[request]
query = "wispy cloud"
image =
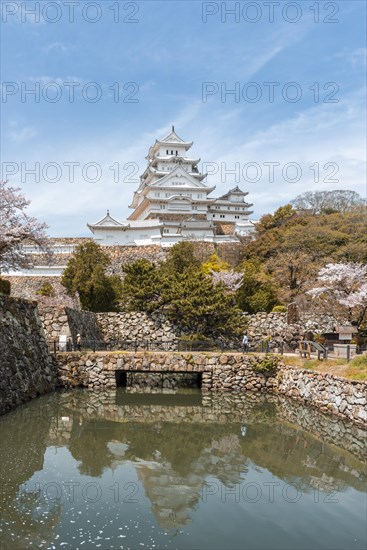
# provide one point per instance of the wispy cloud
(58, 47)
(22, 135)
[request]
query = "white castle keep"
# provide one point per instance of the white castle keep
(172, 204)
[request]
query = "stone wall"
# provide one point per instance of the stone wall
(27, 370)
(220, 372)
(274, 328)
(229, 252)
(27, 287)
(59, 320)
(138, 326)
(326, 392)
(143, 328)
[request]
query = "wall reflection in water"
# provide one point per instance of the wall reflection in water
(181, 447)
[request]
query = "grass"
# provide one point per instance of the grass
(356, 369)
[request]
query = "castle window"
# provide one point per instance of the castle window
(166, 151)
(237, 217)
(157, 194)
(199, 196)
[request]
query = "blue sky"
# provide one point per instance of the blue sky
(164, 53)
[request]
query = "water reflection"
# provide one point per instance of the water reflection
(164, 461)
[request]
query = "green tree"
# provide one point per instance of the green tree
(180, 288)
(257, 291)
(201, 308)
(180, 258)
(86, 274)
(336, 236)
(142, 286)
(271, 221)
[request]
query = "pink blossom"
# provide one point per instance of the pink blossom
(17, 229)
(230, 279)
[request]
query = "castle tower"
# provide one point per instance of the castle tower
(171, 187)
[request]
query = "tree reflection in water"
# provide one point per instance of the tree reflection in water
(175, 450)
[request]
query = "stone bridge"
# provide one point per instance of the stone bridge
(212, 372)
(209, 371)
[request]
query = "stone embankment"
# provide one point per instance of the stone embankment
(143, 328)
(60, 320)
(26, 368)
(276, 328)
(139, 327)
(217, 372)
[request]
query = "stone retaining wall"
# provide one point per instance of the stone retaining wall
(26, 368)
(326, 392)
(27, 287)
(138, 326)
(59, 320)
(220, 372)
(274, 328)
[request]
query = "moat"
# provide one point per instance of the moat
(117, 469)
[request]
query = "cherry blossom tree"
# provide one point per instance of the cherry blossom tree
(344, 285)
(229, 279)
(17, 229)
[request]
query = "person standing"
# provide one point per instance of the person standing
(78, 342)
(245, 342)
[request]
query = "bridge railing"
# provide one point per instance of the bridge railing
(55, 346)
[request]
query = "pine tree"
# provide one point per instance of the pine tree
(86, 274)
(201, 308)
(142, 286)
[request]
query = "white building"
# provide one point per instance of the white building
(173, 204)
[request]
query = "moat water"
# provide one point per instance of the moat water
(81, 470)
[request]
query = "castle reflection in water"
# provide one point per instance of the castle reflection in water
(176, 444)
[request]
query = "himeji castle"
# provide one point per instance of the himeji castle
(173, 204)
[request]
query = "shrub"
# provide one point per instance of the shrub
(279, 309)
(46, 290)
(265, 365)
(5, 287)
